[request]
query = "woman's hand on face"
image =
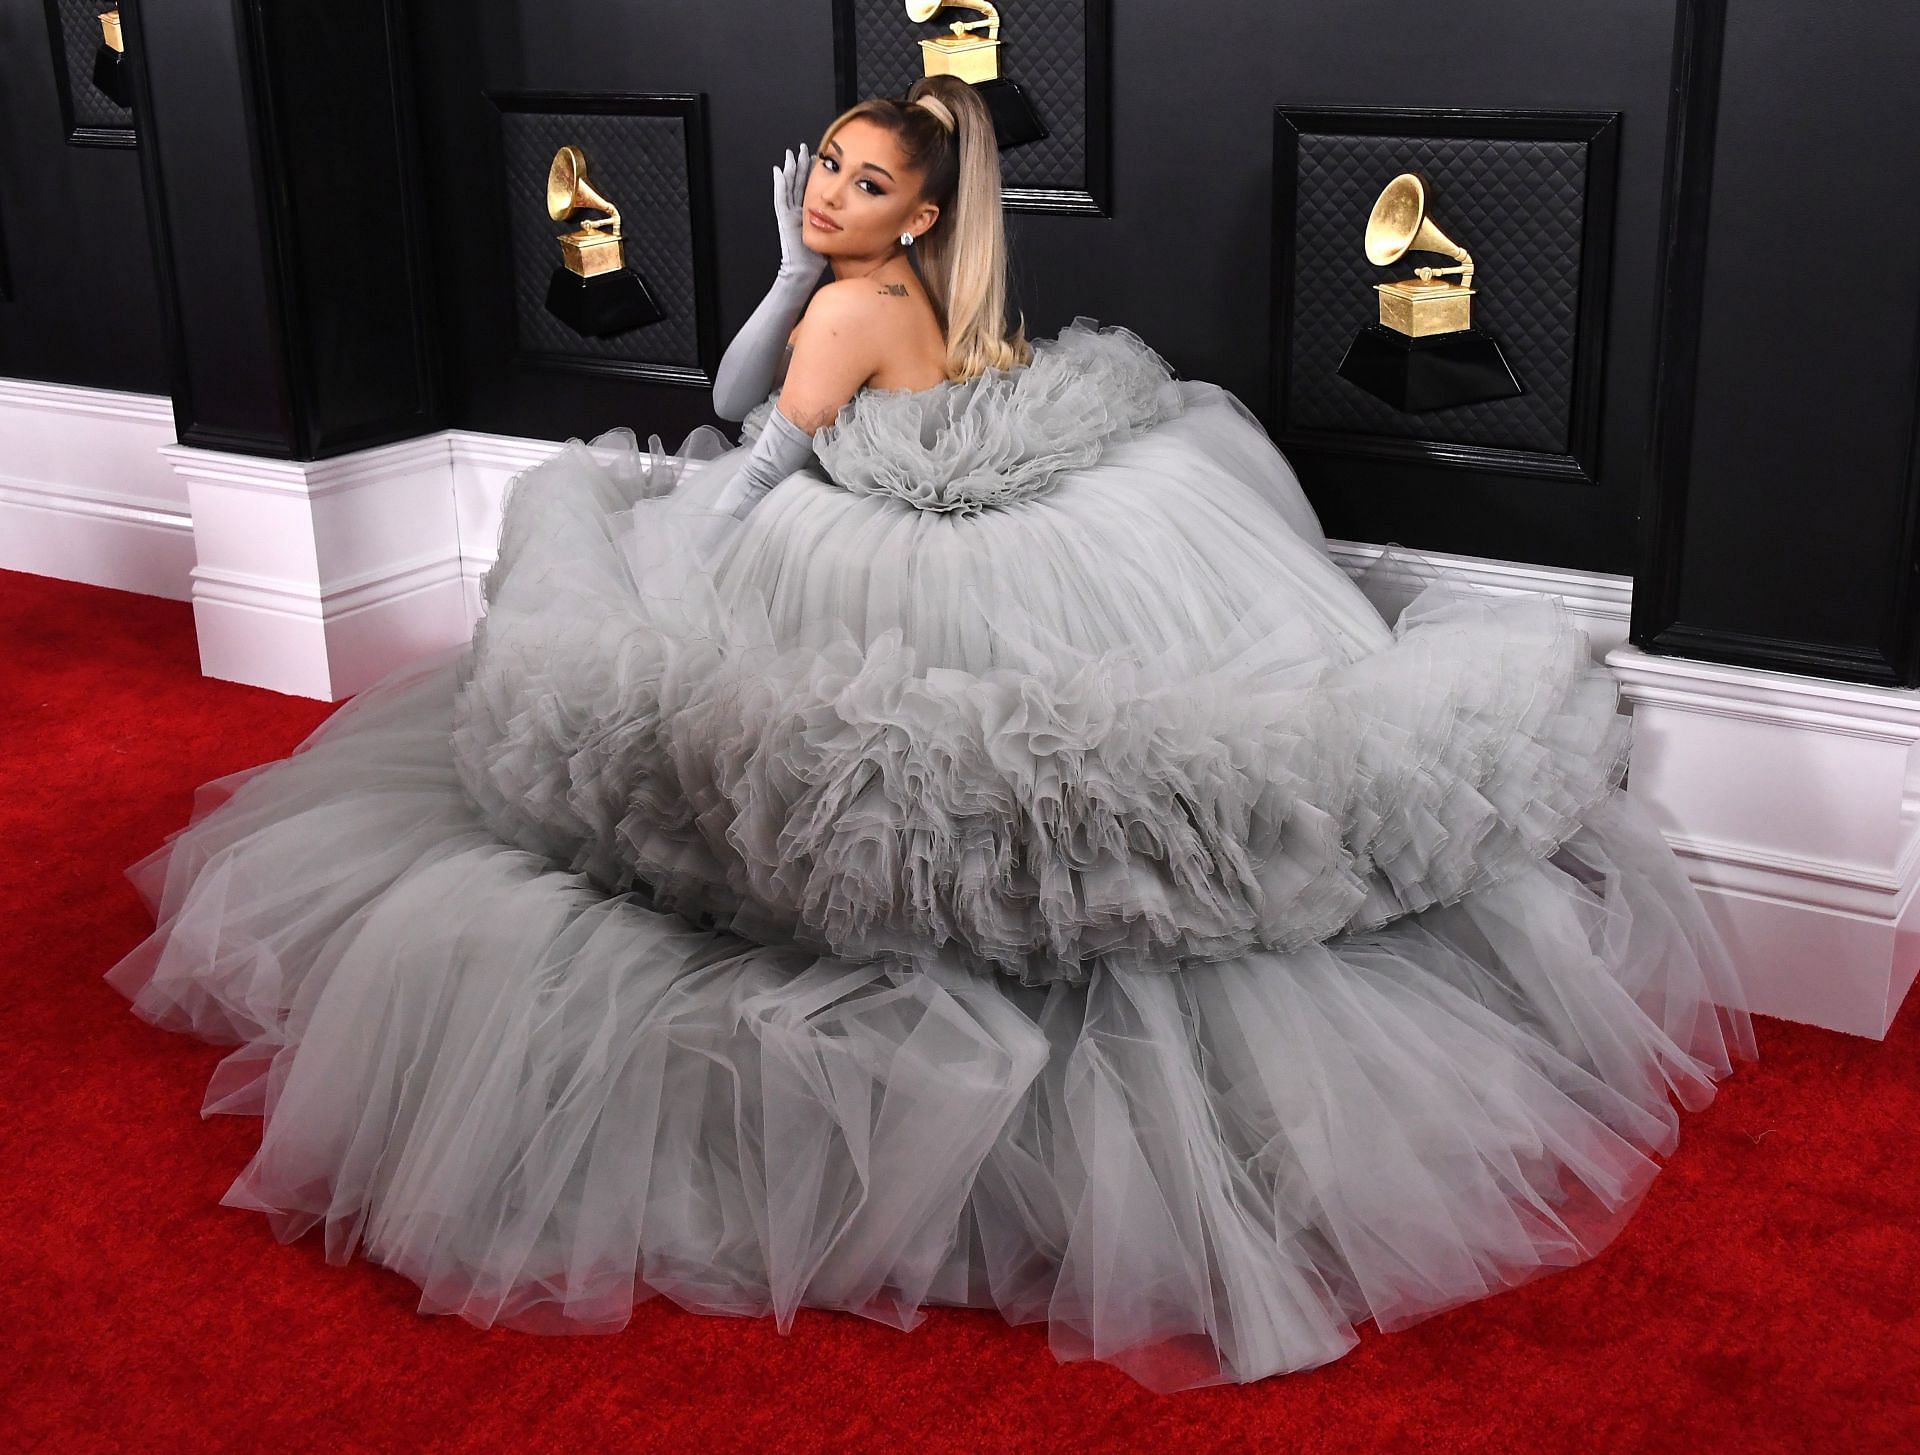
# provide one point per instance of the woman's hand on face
(789, 208)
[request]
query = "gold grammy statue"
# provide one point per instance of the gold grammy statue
(595, 247)
(1424, 353)
(109, 74)
(975, 59)
(1422, 304)
(593, 291)
(970, 57)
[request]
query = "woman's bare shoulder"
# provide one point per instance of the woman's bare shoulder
(858, 315)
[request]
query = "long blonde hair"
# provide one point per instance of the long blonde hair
(963, 256)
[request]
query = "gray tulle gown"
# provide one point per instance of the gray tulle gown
(1013, 866)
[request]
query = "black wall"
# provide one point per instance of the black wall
(79, 296)
(1186, 258)
(1756, 454)
(1782, 522)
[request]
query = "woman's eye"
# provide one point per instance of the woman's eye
(873, 187)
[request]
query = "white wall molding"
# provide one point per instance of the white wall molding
(84, 493)
(316, 578)
(482, 466)
(1794, 802)
(42, 398)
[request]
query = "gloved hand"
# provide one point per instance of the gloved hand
(748, 367)
(782, 448)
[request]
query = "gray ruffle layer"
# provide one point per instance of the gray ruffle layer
(1002, 436)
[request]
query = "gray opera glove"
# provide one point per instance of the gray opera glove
(749, 366)
(782, 448)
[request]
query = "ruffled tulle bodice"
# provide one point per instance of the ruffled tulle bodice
(1002, 436)
(1012, 866)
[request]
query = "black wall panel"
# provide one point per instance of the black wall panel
(1783, 512)
(204, 167)
(1749, 442)
(1186, 256)
(348, 234)
(767, 74)
(647, 156)
(78, 290)
(91, 115)
(1529, 195)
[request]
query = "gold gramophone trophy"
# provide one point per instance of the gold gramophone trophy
(593, 291)
(975, 59)
(109, 61)
(1424, 353)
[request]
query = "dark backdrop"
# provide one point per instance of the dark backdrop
(79, 298)
(1755, 458)
(1185, 259)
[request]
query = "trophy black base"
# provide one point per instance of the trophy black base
(1436, 372)
(1015, 123)
(110, 75)
(604, 305)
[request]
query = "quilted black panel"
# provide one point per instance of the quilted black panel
(638, 163)
(1043, 47)
(1517, 205)
(74, 48)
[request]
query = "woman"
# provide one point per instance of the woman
(966, 843)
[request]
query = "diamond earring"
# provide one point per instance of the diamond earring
(906, 239)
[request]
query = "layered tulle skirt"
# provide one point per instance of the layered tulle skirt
(1089, 909)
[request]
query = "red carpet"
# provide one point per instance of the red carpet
(1766, 1297)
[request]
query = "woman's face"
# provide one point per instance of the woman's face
(861, 194)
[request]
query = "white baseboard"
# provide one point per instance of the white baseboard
(1795, 804)
(84, 492)
(1793, 801)
(316, 578)
(482, 466)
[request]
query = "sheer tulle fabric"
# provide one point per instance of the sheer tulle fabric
(1086, 907)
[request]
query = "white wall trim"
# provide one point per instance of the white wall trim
(42, 398)
(316, 478)
(482, 466)
(90, 504)
(84, 493)
(1794, 803)
(318, 577)
(341, 597)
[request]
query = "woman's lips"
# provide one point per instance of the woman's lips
(821, 221)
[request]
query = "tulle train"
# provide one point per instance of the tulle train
(543, 1104)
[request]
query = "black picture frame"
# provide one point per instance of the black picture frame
(1089, 196)
(1598, 131)
(691, 109)
(77, 133)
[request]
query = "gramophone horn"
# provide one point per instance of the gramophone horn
(1399, 224)
(568, 190)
